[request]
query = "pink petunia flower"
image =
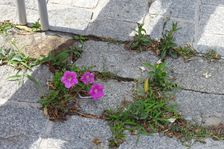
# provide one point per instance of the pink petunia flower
(69, 79)
(96, 91)
(87, 78)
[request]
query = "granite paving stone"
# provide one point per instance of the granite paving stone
(24, 89)
(154, 25)
(108, 57)
(151, 142)
(20, 126)
(127, 10)
(210, 144)
(211, 41)
(7, 88)
(201, 108)
(201, 100)
(198, 74)
(174, 8)
(78, 18)
(213, 2)
(29, 91)
(78, 133)
(208, 15)
(156, 141)
(9, 12)
(116, 92)
(90, 4)
(112, 28)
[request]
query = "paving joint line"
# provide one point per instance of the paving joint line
(202, 92)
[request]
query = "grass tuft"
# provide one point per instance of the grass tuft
(212, 55)
(153, 112)
(167, 42)
(5, 27)
(141, 40)
(186, 52)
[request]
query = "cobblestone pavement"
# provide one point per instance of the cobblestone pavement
(201, 100)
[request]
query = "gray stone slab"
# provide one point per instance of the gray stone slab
(60, 2)
(211, 19)
(77, 133)
(68, 17)
(151, 142)
(8, 2)
(205, 109)
(199, 75)
(85, 4)
(128, 10)
(112, 28)
(10, 13)
(174, 8)
(210, 144)
(30, 91)
(31, 4)
(154, 27)
(20, 126)
(156, 141)
(115, 93)
(108, 57)
(210, 41)
(7, 88)
(213, 2)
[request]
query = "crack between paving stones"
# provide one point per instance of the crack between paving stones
(115, 77)
(203, 92)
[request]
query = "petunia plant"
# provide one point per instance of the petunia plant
(86, 85)
(66, 87)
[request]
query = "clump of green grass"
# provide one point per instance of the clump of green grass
(36, 27)
(159, 78)
(141, 40)
(153, 112)
(141, 116)
(17, 59)
(5, 27)
(186, 52)
(60, 60)
(167, 43)
(80, 38)
(212, 55)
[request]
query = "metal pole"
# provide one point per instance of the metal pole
(42, 4)
(21, 11)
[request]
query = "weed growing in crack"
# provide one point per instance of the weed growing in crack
(212, 55)
(167, 43)
(154, 112)
(141, 40)
(60, 60)
(159, 78)
(17, 59)
(186, 52)
(35, 27)
(5, 27)
(145, 115)
(80, 38)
